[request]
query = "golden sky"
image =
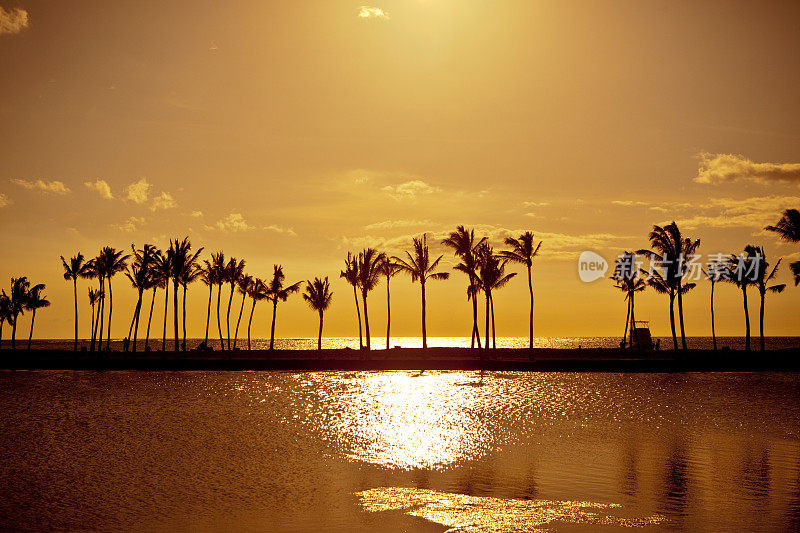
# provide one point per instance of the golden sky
(291, 132)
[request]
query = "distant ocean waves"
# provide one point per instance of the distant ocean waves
(736, 343)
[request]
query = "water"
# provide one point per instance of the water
(735, 343)
(399, 451)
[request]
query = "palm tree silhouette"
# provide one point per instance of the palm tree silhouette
(369, 274)
(420, 267)
(717, 271)
(491, 276)
(743, 268)
(258, 292)
(244, 286)
(183, 266)
(626, 278)
(233, 272)
(671, 251)
(788, 228)
(275, 292)
(140, 274)
(208, 277)
(5, 313)
(350, 274)
(35, 300)
(157, 281)
(388, 269)
(319, 298)
(97, 271)
(764, 277)
(523, 251)
(93, 273)
(164, 268)
(94, 298)
(464, 246)
(219, 268)
(18, 300)
(112, 262)
(76, 268)
(189, 276)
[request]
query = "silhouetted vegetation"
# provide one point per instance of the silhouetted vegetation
(319, 297)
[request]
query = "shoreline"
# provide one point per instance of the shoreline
(502, 359)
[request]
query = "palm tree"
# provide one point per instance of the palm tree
(743, 270)
(5, 313)
(233, 273)
(523, 251)
(219, 274)
(369, 274)
(464, 246)
(97, 271)
(626, 278)
(187, 278)
(140, 274)
(319, 298)
(183, 266)
(158, 280)
(244, 286)
(718, 270)
(763, 280)
(164, 269)
(94, 298)
(76, 268)
(18, 301)
(208, 277)
(492, 276)
(388, 269)
(420, 267)
(35, 300)
(112, 262)
(658, 283)
(275, 292)
(672, 252)
(258, 292)
(350, 274)
(93, 273)
(788, 228)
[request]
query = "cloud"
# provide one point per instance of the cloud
(288, 231)
(213, 47)
(234, 222)
(55, 187)
(13, 21)
(629, 203)
(390, 224)
(102, 188)
(130, 225)
(754, 212)
(535, 204)
(367, 12)
(163, 201)
(196, 214)
(138, 191)
(4, 200)
(409, 190)
(723, 168)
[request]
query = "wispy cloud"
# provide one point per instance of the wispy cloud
(234, 222)
(723, 168)
(755, 212)
(101, 187)
(196, 214)
(13, 20)
(368, 12)
(130, 225)
(409, 190)
(54, 187)
(535, 204)
(138, 191)
(390, 224)
(163, 201)
(277, 229)
(4, 200)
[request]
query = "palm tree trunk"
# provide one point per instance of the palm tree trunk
(75, 292)
(488, 317)
(14, 333)
(91, 326)
(228, 318)
(494, 333)
(208, 312)
(249, 322)
(175, 314)
(30, 335)
(138, 314)
(680, 316)
(366, 319)
(633, 318)
(530, 290)
(219, 326)
(476, 334)
(746, 319)
(110, 310)
(388, 313)
(424, 331)
(184, 317)
(358, 314)
(713, 330)
(149, 319)
(241, 309)
(101, 312)
(166, 309)
(761, 322)
(272, 330)
(672, 319)
(2, 323)
(133, 321)
(627, 322)
(319, 333)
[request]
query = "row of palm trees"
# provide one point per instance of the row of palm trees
(151, 269)
(670, 248)
(22, 297)
(485, 271)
